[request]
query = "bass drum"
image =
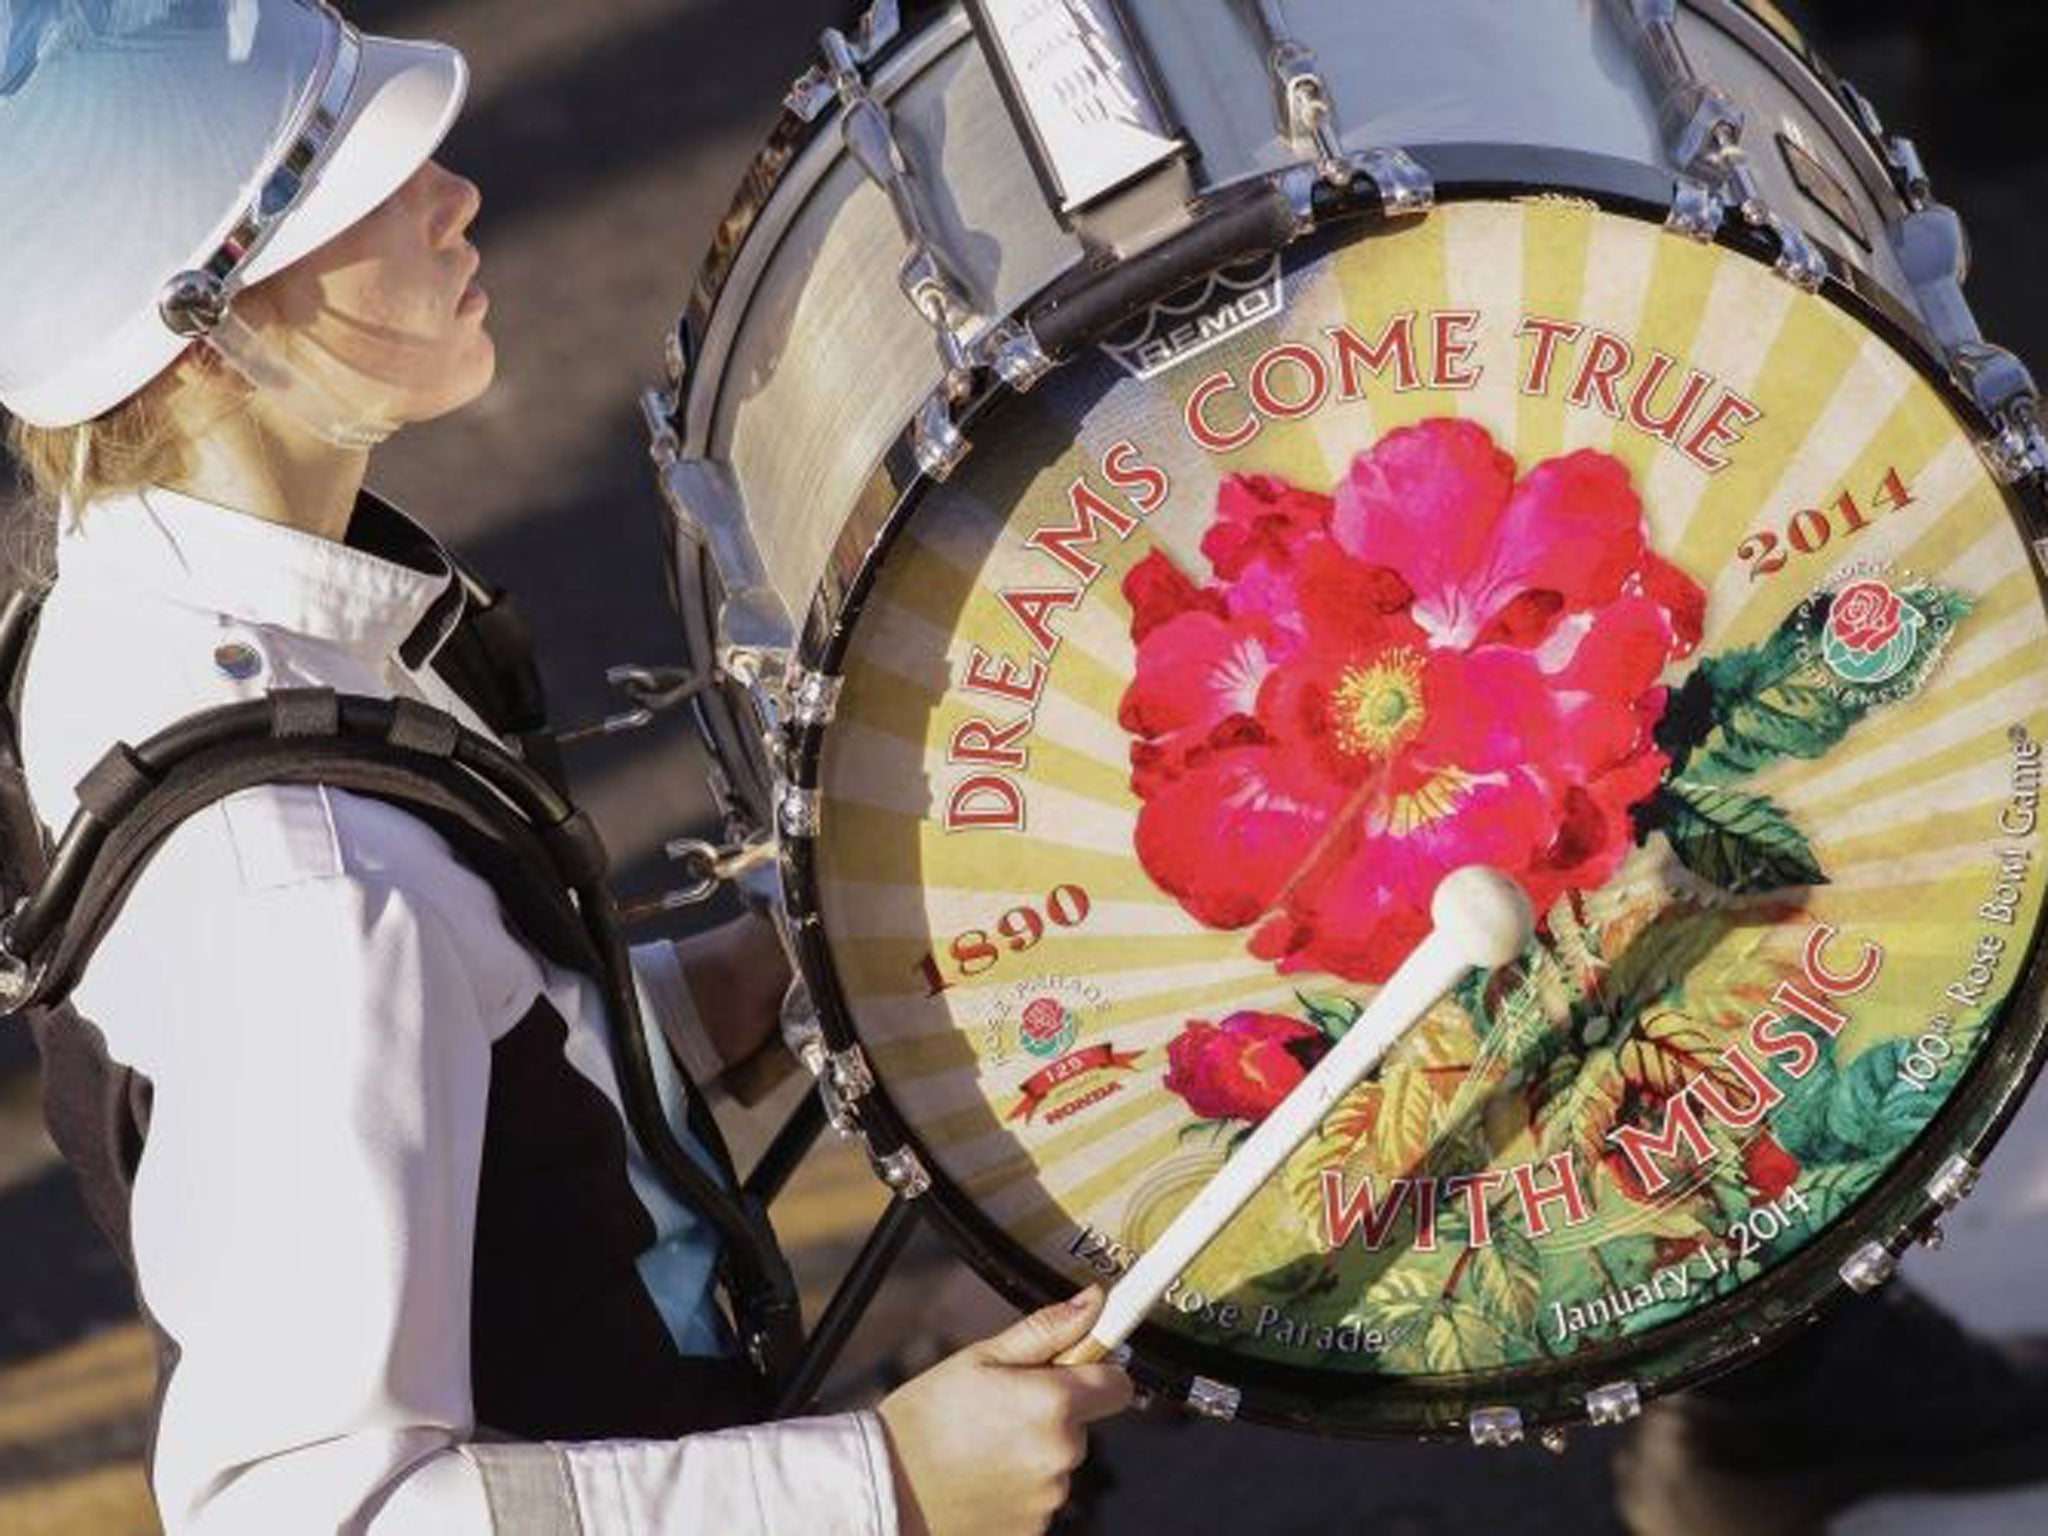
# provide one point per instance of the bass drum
(1524, 532)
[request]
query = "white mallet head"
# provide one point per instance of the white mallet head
(1484, 913)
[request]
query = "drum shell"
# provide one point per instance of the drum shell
(810, 361)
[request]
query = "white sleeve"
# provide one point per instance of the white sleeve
(303, 1220)
(665, 999)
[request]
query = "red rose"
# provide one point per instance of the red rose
(1440, 664)
(1864, 617)
(1043, 1020)
(1770, 1169)
(1242, 1068)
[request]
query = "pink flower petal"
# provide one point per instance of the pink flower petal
(1424, 502)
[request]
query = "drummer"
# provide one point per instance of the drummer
(407, 1271)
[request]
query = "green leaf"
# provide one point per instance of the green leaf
(1660, 959)
(1331, 1012)
(1874, 1108)
(1747, 708)
(1833, 1191)
(1507, 1278)
(1582, 1108)
(1740, 841)
(1518, 1035)
(1800, 1123)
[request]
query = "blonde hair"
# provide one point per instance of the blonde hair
(139, 442)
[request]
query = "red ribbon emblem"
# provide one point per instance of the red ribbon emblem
(1096, 1058)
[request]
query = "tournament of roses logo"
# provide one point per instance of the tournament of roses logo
(1871, 633)
(1047, 1026)
(1047, 1015)
(1875, 632)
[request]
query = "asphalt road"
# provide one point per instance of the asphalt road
(606, 138)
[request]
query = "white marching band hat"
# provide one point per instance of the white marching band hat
(156, 156)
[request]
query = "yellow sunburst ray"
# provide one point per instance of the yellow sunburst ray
(1556, 252)
(1483, 247)
(1816, 373)
(860, 842)
(1628, 276)
(1742, 325)
(1937, 775)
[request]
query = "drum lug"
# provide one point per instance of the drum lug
(1703, 130)
(1799, 262)
(706, 501)
(679, 357)
(658, 410)
(928, 281)
(1014, 353)
(818, 87)
(1908, 171)
(814, 697)
(851, 1077)
(844, 1077)
(1555, 1440)
(1310, 122)
(1950, 1186)
(1863, 110)
(936, 441)
(903, 1171)
(803, 1032)
(2004, 390)
(2020, 450)
(1615, 1403)
(763, 672)
(1933, 248)
(755, 666)
(1952, 1183)
(796, 811)
(1697, 211)
(1214, 1399)
(1868, 1268)
(1901, 156)
(1304, 98)
(1496, 1427)
(1404, 186)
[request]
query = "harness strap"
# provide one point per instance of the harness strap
(488, 660)
(24, 853)
(511, 855)
(422, 761)
(501, 815)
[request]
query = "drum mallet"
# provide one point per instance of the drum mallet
(1482, 919)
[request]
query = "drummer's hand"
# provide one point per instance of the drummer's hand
(984, 1441)
(737, 973)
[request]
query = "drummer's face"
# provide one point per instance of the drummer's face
(387, 312)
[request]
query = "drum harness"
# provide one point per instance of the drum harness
(505, 815)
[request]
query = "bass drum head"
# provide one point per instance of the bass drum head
(1529, 535)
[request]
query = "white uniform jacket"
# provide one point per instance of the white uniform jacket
(313, 986)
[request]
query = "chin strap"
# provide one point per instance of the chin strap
(292, 391)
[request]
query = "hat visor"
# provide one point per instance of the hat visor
(405, 99)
